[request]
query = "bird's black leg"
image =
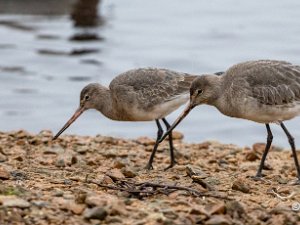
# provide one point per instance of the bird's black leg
(292, 143)
(172, 156)
(159, 135)
(267, 148)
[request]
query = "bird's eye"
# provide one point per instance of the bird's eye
(86, 97)
(199, 91)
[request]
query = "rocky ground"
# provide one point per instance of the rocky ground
(102, 180)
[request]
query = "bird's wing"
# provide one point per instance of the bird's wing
(269, 82)
(152, 86)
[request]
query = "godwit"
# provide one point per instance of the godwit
(264, 91)
(144, 94)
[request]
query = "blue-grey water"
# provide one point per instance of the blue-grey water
(41, 91)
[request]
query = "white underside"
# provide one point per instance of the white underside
(270, 114)
(159, 111)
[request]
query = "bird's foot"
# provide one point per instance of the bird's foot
(172, 164)
(149, 166)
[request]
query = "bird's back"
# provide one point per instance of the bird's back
(151, 91)
(263, 87)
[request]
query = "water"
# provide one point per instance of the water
(41, 91)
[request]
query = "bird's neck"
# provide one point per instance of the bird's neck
(216, 90)
(105, 105)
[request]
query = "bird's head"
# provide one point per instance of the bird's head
(88, 100)
(204, 90)
(89, 96)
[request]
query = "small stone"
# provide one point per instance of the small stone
(218, 220)
(115, 174)
(212, 181)
(98, 213)
(204, 145)
(129, 172)
(74, 159)
(21, 142)
(39, 204)
(119, 164)
(46, 133)
(251, 156)
(176, 135)
(60, 162)
(145, 141)
(12, 201)
(77, 208)
(53, 150)
(281, 180)
(95, 200)
(259, 147)
(3, 158)
(81, 149)
(235, 208)
(19, 158)
(195, 171)
(21, 134)
(111, 153)
(105, 140)
(170, 214)
(58, 193)
(217, 208)
(107, 180)
(19, 175)
(4, 174)
(240, 185)
(80, 197)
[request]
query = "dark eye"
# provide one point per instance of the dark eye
(86, 97)
(199, 91)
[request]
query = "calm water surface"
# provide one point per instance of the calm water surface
(40, 81)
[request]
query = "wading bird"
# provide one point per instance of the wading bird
(144, 94)
(264, 91)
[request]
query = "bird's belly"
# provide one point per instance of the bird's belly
(271, 113)
(158, 111)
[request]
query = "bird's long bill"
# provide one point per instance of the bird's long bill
(177, 121)
(78, 112)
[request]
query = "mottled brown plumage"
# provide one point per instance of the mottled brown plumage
(263, 91)
(143, 94)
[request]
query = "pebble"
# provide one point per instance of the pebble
(235, 208)
(40, 204)
(77, 208)
(216, 208)
(96, 200)
(145, 141)
(4, 174)
(119, 164)
(218, 220)
(60, 162)
(3, 158)
(129, 172)
(212, 181)
(115, 174)
(19, 175)
(259, 147)
(98, 213)
(13, 201)
(176, 135)
(240, 185)
(251, 155)
(53, 150)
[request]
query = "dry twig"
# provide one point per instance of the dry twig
(148, 188)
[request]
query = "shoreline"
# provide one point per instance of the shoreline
(51, 182)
